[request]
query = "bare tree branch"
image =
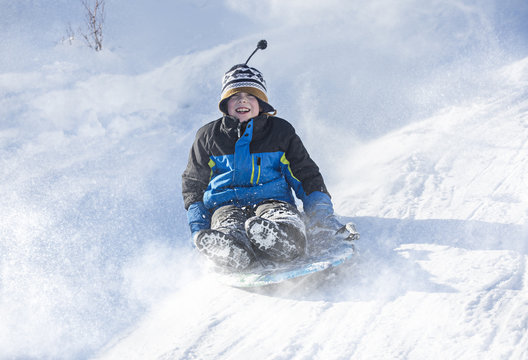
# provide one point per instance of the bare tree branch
(94, 20)
(70, 35)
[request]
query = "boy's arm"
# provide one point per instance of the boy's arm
(316, 200)
(304, 169)
(195, 180)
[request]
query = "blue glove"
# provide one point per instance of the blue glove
(199, 217)
(320, 211)
(318, 206)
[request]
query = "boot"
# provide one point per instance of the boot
(223, 249)
(267, 236)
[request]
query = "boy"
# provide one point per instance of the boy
(238, 181)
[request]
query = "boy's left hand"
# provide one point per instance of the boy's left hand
(348, 232)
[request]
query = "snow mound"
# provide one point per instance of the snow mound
(441, 205)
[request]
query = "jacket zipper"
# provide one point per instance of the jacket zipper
(258, 164)
(253, 170)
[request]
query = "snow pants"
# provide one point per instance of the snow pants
(231, 220)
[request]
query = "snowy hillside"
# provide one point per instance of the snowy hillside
(442, 273)
(416, 112)
(467, 162)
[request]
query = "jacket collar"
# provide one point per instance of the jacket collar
(233, 127)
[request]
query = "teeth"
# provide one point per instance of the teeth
(242, 110)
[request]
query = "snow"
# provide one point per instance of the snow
(416, 113)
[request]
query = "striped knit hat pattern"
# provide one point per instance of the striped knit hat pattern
(242, 78)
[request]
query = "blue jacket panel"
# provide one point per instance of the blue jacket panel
(245, 164)
(264, 177)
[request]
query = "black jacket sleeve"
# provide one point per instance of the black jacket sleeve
(196, 176)
(303, 167)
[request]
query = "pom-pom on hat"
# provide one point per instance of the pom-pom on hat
(242, 78)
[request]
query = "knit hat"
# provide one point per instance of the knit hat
(242, 78)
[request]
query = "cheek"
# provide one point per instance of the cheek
(255, 106)
(230, 108)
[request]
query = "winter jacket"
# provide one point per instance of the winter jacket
(245, 164)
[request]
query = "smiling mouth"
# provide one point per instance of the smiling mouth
(242, 110)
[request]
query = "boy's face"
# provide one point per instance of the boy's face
(243, 106)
